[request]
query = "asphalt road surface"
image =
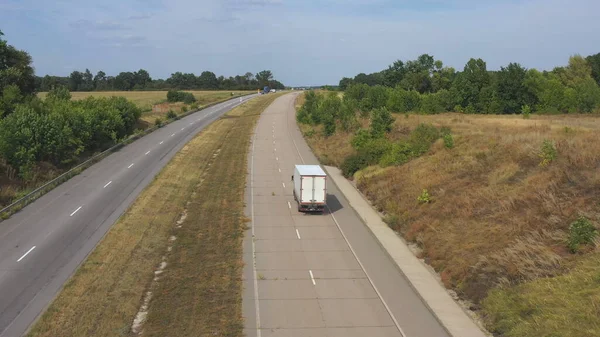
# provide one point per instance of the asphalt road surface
(316, 275)
(44, 243)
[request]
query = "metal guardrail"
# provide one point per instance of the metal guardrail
(19, 204)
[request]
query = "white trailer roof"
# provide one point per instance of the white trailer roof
(310, 170)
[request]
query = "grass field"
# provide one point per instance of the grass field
(181, 242)
(498, 223)
(146, 99)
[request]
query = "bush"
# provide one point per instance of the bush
(581, 232)
(526, 111)
(180, 96)
(158, 122)
(360, 139)
(194, 106)
(398, 154)
(423, 137)
(448, 141)
(430, 103)
(424, 198)
(381, 122)
(353, 164)
(189, 98)
(547, 153)
(184, 108)
(171, 114)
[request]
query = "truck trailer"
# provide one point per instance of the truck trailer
(310, 188)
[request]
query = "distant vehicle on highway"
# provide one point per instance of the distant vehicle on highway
(310, 188)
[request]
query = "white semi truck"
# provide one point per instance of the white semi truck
(310, 188)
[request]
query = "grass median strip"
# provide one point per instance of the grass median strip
(199, 290)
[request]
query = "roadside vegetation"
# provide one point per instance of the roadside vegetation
(177, 251)
(43, 135)
(503, 206)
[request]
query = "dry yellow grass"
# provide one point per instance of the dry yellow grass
(497, 218)
(200, 290)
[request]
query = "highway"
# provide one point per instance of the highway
(315, 275)
(43, 244)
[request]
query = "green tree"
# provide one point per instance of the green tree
(588, 95)
(208, 80)
(264, 77)
(594, 62)
(142, 79)
(394, 74)
(345, 82)
(75, 80)
(59, 93)
(100, 81)
(577, 71)
(381, 122)
(470, 82)
(512, 92)
(16, 69)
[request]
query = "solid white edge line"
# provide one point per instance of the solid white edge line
(75, 211)
(298, 234)
(110, 182)
(290, 207)
(130, 165)
(312, 277)
(22, 257)
(256, 306)
(146, 153)
(354, 253)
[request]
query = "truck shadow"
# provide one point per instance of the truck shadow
(333, 204)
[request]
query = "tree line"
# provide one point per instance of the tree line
(426, 85)
(141, 80)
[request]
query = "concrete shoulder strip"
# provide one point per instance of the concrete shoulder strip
(442, 305)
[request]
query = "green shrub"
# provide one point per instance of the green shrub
(180, 96)
(368, 154)
(194, 106)
(423, 137)
(309, 133)
(171, 114)
(381, 122)
(547, 153)
(329, 122)
(424, 198)
(581, 232)
(448, 141)
(526, 111)
(353, 164)
(398, 154)
(184, 108)
(360, 139)
(158, 122)
(458, 108)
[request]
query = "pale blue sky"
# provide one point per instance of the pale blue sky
(304, 42)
